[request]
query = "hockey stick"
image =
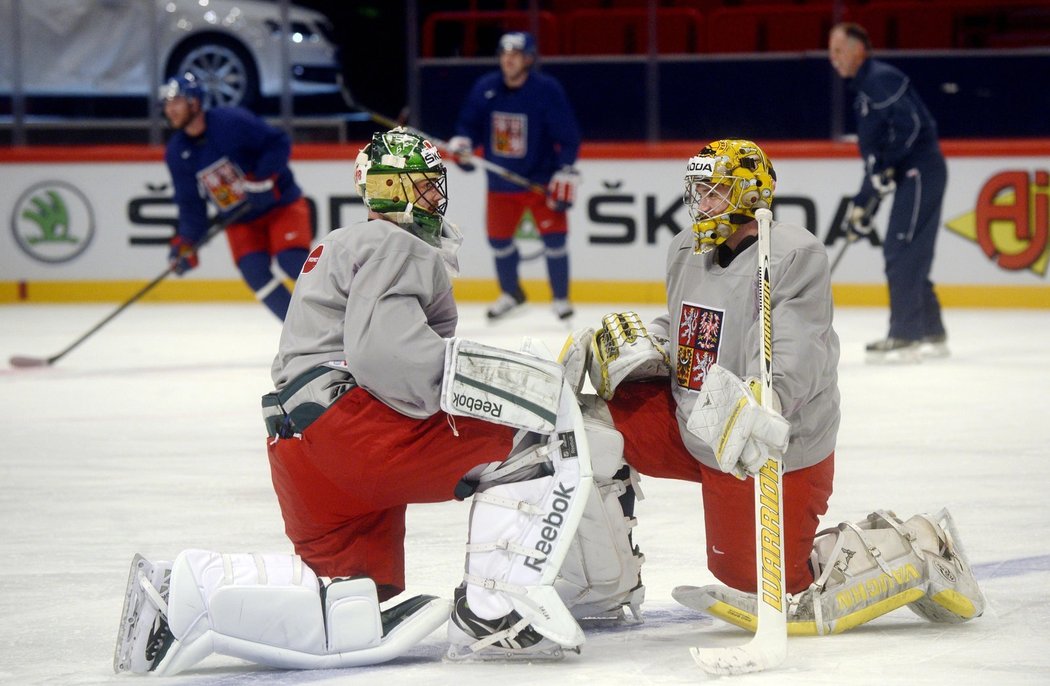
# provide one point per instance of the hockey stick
(841, 252)
(768, 647)
(215, 229)
(847, 230)
(389, 123)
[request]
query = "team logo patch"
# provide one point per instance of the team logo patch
(224, 182)
(312, 260)
(510, 134)
(699, 338)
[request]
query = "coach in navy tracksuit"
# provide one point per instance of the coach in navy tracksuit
(898, 141)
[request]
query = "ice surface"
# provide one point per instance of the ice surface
(148, 438)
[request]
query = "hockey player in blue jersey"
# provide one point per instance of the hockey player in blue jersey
(898, 141)
(230, 157)
(523, 120)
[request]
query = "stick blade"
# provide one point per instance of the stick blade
(745, 659)
(24, 361)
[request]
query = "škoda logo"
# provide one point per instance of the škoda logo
(52, 222)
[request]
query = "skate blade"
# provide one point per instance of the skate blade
(538, 653)
(129, 616)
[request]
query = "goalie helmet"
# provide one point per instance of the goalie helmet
(724, 184)
(185, 86)
(401, 176)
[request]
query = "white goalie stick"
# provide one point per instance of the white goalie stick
(768, 647)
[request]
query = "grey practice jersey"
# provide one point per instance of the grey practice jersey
(377, 298)
(713, 317)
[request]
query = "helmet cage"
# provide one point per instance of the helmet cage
(423, 195)
(724, 184)
(401, 176)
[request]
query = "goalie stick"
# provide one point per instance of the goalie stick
(215, 229)
(768, 647)
(390, 123)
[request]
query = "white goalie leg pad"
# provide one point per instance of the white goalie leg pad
(601, 575)
(271, 609)
(516, 389)
(867, 569)
(520, 533)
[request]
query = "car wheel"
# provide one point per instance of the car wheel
(226, 72)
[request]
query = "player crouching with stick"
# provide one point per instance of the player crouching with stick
(684, 393)
(378, 405)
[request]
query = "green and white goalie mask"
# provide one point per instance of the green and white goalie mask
(401, 176)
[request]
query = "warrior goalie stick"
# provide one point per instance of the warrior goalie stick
(215, 229)
(390, 123)
(768, 647)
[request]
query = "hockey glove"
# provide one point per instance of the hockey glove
(624, 350)
(883, 182)
(261, 195)
(728, 417)
(858, 221)
(462, 150)
(561, 191)
(182, 256)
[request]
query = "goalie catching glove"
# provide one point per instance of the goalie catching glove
(621, 350)
(729, 417)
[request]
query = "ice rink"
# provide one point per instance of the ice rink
(148, 438)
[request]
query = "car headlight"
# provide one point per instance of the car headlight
(301, 32)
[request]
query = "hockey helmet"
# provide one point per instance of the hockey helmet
(401, 176)
(724, 184)
(185, 86)
(521, 41)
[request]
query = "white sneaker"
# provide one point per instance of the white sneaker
(505, 304)
(143, 637)
(562, 309)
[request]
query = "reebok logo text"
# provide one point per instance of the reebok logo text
(477, 405)
(553, 521)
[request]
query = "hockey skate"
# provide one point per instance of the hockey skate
(509, 638)
(934, 347)
(563, 309)
(504, 305)
(893, 351)
(143, 637)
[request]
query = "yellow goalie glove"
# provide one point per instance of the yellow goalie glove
(621, 350)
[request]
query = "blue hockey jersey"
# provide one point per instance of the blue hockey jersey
(236, 145)
(531, 131)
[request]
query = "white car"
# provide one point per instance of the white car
(102, 48)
